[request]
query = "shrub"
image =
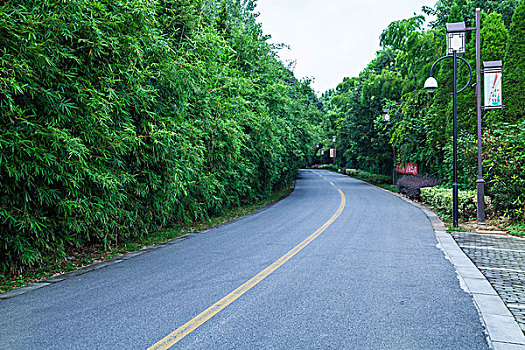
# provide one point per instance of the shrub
(327, 166)
(504, 154)
(441, 200)
(379, 179)
(514, 79)
(345, 169)
(411, 185)
(363, 175)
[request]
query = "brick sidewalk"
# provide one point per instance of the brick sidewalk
(502, 260)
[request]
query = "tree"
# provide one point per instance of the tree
(122, 118)
(514, 77)
(494, 37)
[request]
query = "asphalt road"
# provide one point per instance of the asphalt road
(373, 278)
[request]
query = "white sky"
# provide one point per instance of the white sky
(331, 39)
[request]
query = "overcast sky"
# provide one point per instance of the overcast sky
(331, 39)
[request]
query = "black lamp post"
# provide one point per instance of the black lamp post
(333, 151)
(455, 46)
(386, 118)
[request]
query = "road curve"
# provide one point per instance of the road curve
(372, 278)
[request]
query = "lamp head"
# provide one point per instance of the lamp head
(384, 113)
(456, 38)
(431, 84)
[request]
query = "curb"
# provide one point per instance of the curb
(503, 332)
(501, 328)
(118, 259)
(88, 268)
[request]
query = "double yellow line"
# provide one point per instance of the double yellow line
(175, 336)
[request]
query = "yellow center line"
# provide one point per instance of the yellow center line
(175, 336)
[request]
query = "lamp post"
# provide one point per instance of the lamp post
(480, 183)
(386, 118)
(455, 46)
(333, 150)
(493, 71)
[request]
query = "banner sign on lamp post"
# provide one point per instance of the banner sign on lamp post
(493, 90)
(493, 74)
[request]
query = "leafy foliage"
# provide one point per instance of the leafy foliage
(505, 162)
(121, 118)
(372, 178)
(421, 125)
(441, 200)
(514, 78)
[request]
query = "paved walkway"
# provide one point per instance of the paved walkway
(502, 260)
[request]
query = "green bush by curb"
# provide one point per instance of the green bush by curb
(441, 200)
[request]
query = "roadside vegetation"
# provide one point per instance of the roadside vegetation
(420, 127)
(124, 119)
(87, 255)
(126, 123)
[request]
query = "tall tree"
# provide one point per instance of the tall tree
(494, 37)
(514, 77)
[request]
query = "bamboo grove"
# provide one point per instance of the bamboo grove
(420, 129)
(119, 118)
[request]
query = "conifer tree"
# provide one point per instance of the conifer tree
(514, 77)
(494, 36)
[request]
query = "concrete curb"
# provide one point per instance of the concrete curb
(503, 332)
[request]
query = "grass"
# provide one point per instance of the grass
(389, 187)
(451, 228)
(513, 228)
(77, 258)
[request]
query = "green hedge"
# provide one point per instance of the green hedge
(328, 167)
(124, 117)
(504, 159)
(372, 178)
(441, 200)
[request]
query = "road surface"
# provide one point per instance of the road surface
(338, 264)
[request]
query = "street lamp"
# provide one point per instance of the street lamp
(480, 182)
(333, 150)
(386, 116)
(455, 46)
(431, 84)
(456, 38)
